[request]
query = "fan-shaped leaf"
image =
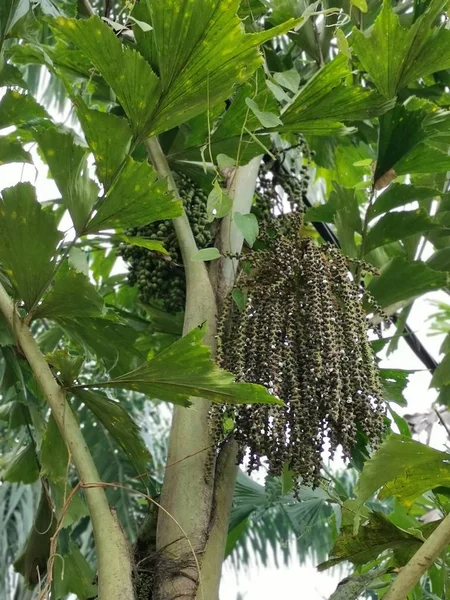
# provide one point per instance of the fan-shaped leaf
(325, 101)
(402, 281)
(398, 195)
(137, 197)
(12, 151)
(16, 109)
(186, 369)
(32, 561)
(395, 56)
(71, 295)
(405, 469)
(201, 52)
(396, 226)
(124, 69)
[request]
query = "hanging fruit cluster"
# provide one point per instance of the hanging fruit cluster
(160, 277)
(303, 334)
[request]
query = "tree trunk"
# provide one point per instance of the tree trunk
(198, 486)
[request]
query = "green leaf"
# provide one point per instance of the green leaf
(137, 197)
(240, 298)
(224, 161)
(424, 158)
(125, 70)
(11, 11)
(287, 480)
(342, 43)
(441, 376)
(95, 335)
(325, 101)
(227, 138)
(22, 466)
(348, 167)
(342, 209)
(375, 537)
(186, 369)
(400, 422)
(116, 420)
(109, 138)
(72, 574)
(247, 225)
(402, 281)
(207, 254)
(16, 109)
(403, 468)
(12, 151)
(142, 242)
(28, 241)
(288, 79)
(394, 56)
(277, 91)
(395, 226)
(54, 454)
(67, 367)
(6, 334)
(267, 119)
(67, 162)
(440, 260)
(219, 203)
(76, 509)
(361, 4)
(11, 75)
(32, 561)
(71, 295)
(141, 24)
(394, 383)
(398, 195)
(401, 130)
(202, 52)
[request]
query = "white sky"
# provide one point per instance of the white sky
(294, 581)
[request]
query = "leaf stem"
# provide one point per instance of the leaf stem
(192, 470)
(362, 250)
(425, 556)
(114, 564)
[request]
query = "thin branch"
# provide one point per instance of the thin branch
(183, 229)
(441, 420)
(114, 566)
(88, 7)
(425, 556)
